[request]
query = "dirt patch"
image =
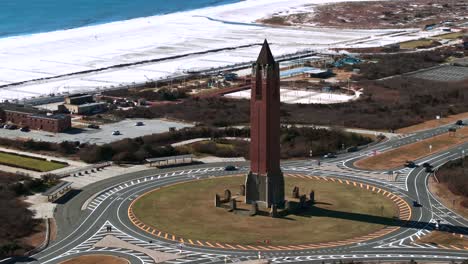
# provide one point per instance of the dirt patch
(37, 238)
(97, 259)
(448, 240)
(52, 229)
(447, 198)
(397, 157)
(433, 123)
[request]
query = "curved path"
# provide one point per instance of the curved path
(79, 230)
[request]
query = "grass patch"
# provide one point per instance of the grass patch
(416, 43)
(341, 212)
(397, 157)
(29, 162)
(453, 35)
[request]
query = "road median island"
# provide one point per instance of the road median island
(397, 157)
(446, 240)
(349, 212)
(433, 123)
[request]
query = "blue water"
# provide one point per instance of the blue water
(20, 17)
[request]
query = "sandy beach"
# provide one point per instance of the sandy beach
(51, 55)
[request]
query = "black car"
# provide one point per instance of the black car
(25, 129)
(459, 123)
(410, 164)
(93, 126)
(416, 204)
(330, 156)
(230, 168)
(427, 165)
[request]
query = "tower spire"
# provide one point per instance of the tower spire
(265, 56)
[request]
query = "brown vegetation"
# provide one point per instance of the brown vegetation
(375, 14)
(66, 148)
(454, 176)
(385, 65)
(296, 142)
(16, 222)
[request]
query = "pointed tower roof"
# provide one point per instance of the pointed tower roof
(265, 56)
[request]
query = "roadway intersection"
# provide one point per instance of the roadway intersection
(83, 220)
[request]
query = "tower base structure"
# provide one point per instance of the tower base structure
(266, 190)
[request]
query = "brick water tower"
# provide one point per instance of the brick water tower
(265, 181)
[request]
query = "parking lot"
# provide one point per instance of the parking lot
(99, 136)
(443, 74)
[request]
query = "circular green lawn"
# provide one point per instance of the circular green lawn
(341, 212)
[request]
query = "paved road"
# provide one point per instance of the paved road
(80, 229)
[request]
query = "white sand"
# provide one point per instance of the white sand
(27, 58)
(290, 96)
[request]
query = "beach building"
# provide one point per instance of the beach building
(319, 73)
(83, 104)
(25, 116)
(311, 72)
(347, 61)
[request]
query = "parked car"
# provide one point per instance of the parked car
(416, 204)
(139, 123)
(116, 133)
(25, 129)
(230, 168)
(93, 126)
(330, 155)
(459, 123)
(12, 127)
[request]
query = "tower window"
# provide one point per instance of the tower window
(258, 87)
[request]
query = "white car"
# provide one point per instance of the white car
(116, 133)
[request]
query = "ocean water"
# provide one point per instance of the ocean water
(20, 17)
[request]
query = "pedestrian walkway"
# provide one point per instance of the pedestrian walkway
(79, 182)
(138, 248)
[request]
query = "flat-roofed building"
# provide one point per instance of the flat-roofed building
(85, 109)
(34, 119)
(78, 99)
